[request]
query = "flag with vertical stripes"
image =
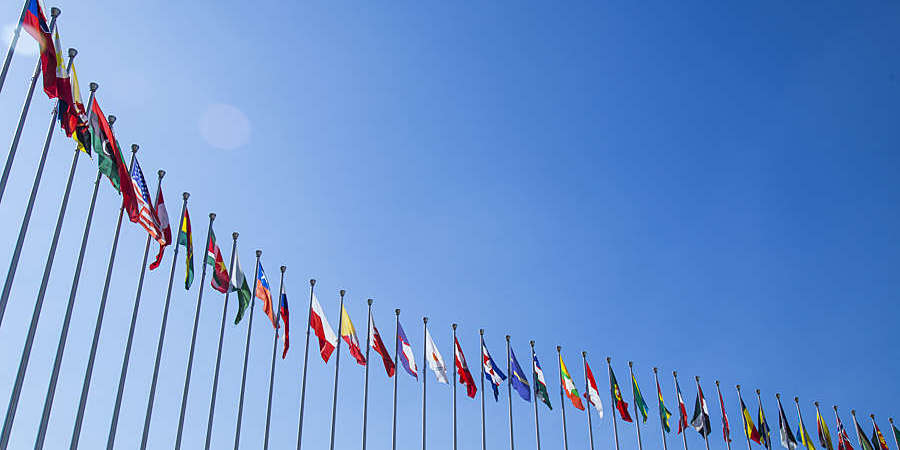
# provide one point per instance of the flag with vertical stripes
(749, 427)
(187, 240)
(348, 333)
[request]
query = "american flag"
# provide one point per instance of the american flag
(147, 218)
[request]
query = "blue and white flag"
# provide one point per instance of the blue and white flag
(491, 371)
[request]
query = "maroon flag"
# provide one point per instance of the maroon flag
(378, 345)
(164, 226)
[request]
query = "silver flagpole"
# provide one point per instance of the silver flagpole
(312, 287)
(366, 390)
(744, 421)
(662, 430)
(145, 435)
(240, 415)
(424, 377)
(54, 14)
(896, 442)
(481, 351)
(509, 393)
(719, 391)
(612, 413)
(89, 370)
(677, 399)
(453, 376)
(272, 369)
(705, 436)
(637, 413)
(12, 45)
(42, 291)
(587, 408)
(23, 229)
(562, 399)
(537, 429)
(337, 366)
(123, 372)
(190, 365)
(396, 375)
(212, 400)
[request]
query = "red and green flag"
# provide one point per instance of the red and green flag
(185, 239)
(569, 386)
(878, 438)
(220, 277)
(617, 396)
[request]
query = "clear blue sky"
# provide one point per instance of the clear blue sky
(704, 187)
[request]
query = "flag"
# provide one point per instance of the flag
(319, 323)
(726, 429)
(59, 78)
(568, 385)
(214, 258)
(824, 434)
(540, 384)
(787, 437)
(878, 438)
(491, 371)
(843, 438)
(805, 440)
(749, 427)
(435, 360)
(379, 347)
(35, 23)
(239, 285)
(864, 443)
(700, 419)
(764, 431)
(682, 410)
(285, 313)
(517, 378)
(664, 413)
(462, 369)
(348, 333)
(146, 215)
(70, 112)
(592, 395)
(264, 293)
(186, 239)
(616, 395)
(165, 228)
(896, 433)
(406, 357)
(638, 399)
(110, 161)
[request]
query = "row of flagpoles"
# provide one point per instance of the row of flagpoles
(91, 129)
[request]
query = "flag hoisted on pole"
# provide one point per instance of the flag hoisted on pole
(337, 367)
(640, 406)
(312, 288)
(726, 430)
(455, 370)
(664, 413)
(396, 355)
(750, 430)
(784, 428)
(589, 394)
(877, 437)
(366, 388)
(682, 411)
(509, 393)
(895, 431)
(562, 399)
(540, 391)
(274, 351)
(864, 443)
(805, 440)
(822, 430)
(700, 419)
(424, 378)
(238, 276)
(483, 371)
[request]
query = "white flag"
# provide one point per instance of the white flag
(435, 361)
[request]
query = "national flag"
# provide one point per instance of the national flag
(540, 384)
(568, 385)
(750, 429)
(462, 370)
(60, 76)
(348, 333)
(70, 113)
(805, 440)
(264, 293)
(864, 443)
(726, 429)
(406, 357)
(379, 347)
(824, 434)
(617, 400)
(319, 323)
(285, 314)
(186, 239)
(639, 399)
(517, 378)
(593, 394)
(493, 373)
(843, 437)
(765, 432)
(35, 23)
(682, 410)
(239, 285)
(787, 437)
(664, 413)
(896, 432)
(165, 228)
(146, 215)
(214, 258)
(109, 156)
(878, 438)
(700, 419)
(435, 360)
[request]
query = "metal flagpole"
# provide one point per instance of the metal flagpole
(396, 375)
(366, 390)
(722, 404)
(800, 418)
(872, 416)
(705, 436)
(744, 420)
(678, 399)
(187, 376)
(534, 380)
(637, 423)
(759, 401)
(23, 229)
(272, 368)
(662, 430)
(145, 435)
(54, 14)
(424, 378)
(562, 399)
(453, 375)
(337, 366)
(612, 413)
(39, 303)
(212, 401)
(240, 415)
(12, 45)
(312, 287)
(856, 427)
(896, 442)
(818, 414)
(509, 393)
(587, 409)
(89, 370)
(481, 354)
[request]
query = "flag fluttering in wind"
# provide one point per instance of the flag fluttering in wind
(517, 378)
(186, 239)
(146, 214)
(435, 360)
(540, 385)
(462, 370)
(214, 258)
(239, 285)
(35, 23)
(493, 373)
(682, 409)
(700, 419)
(110, 160)
(593, 394)
(59, 78)
(319, 323)
(264, 293)
(162, 215)
(664, 413)
(639, 399)
(749, 427)
(764, 431)
(896, 432)
(843, 437)
(565, 380)
(878, 438)
(406, 357)
(787, 437)
(379, 347)
(348, 333)
(617, 400)
(805, 440)
(285, 317)
(824, 433)
(71, 114)
(726, 429)
(864, 443)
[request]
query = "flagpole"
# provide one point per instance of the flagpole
(272, 369)
(562, 399)
(12, 46)
(453, 375)
(722, 404)
(337, 367)
(662, 430)
(212, 401)
(481, 357)
(366, 390)
(396, 375)
(637, 423)
(800, 418)
(819, 416)
(837, 420)
(703, 400)
(765, 436)
(897, 443)
(42, 291)
(874, 444)
(424, 378)
(587, 409)
(240, 415)
(190, 365)
(509, 393)
(856, 428)
(312, 287)
(98, 324)
(613, 414)
(23, 229)
(744, 420)
(537, 429)
(679, 400)
(54, 14)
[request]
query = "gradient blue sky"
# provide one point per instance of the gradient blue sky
(704, 187)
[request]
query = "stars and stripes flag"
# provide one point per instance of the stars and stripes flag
(146, 214)
(491, 371)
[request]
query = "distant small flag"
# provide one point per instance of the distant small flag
(540, 385)
(285, 315)
(616, 394)
(146, 215)
(462, 370)
(517, 378)
(639, 399)
(682, 409)
(239, 284)
(843, 437)
(664, 413)
(787, 437)
(185, 239)
(348, 333)
(805, 440)
(726, 429)
(864, 443)
(764, 431)
(379, 347)
(896, 432)
(878, 438)
(749, 427)
(592, 395)
(319, 323)
(166, 229)
(264, 293)
(406, 357)
(491, 371)
(214, 258)
(824, 434)
(435, 360)
(700, 419)
(568, 385)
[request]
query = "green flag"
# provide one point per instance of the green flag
(239, 285)
(639, 399)
(896, 431)
(864, 443)
(185, 239)
(664, 413)
(540, 385)
(103, 148)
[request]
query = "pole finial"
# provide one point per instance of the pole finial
(608, 360)
(453, 325)
(583, 354)
(93, 86)
(111, 119)
(212, 216)
(558, 348)
(797, 400)
(674, 373)
(853, 412)
(872, 416)
(312, 281)
(757, 392)
(397, 311)
(342, 292)
(507, 338)
(835, 408)
(186, 194)
(135, 148)
(738, 387)
(161, 173)
(630, 364)
(425, 320)
(55, 12)
(696, 378)
(778, 396)
(717, 383)
(532, 344)
(481, 331)
(891, 420)
(258, 252)
(816, 403)
(72, 52)
(655, 370)
(283, 268)
(369, 301)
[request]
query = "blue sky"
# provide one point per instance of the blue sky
(708, 188)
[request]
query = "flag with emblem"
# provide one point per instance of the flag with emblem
(517, 378)
(264, 293)
(214, 258)
(617, 400)
(186, 239)
(878, 438)
(639, 399)
(568, 385)
(348, 333)
(664, 413)
(462, 370)
(700, 419)
(435, 360)
(682, 409)
(285, 318)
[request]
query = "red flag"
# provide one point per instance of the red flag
(726, 431)
(317, 321)
(129, 199)
(682, 411)
(285, 317)
(462, 369)
(163, 217)
(378, 345)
